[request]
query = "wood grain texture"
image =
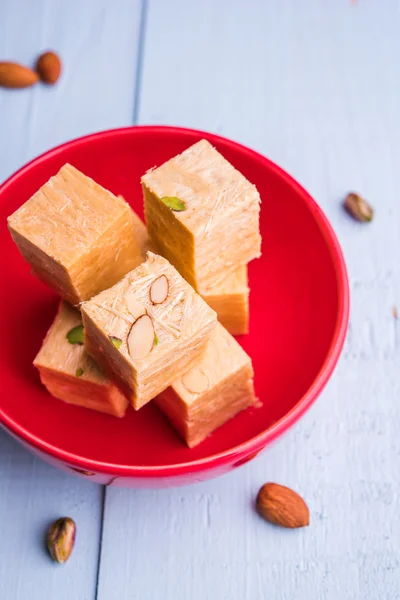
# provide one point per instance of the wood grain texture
(32, 495)
(315, 86)
(98, 43)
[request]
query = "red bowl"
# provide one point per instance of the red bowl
(299, 310)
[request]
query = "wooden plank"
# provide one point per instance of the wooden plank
(98, 45)
(32, 495)
(314, 86)
(98, 42)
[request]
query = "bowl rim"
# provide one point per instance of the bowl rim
(258, 442)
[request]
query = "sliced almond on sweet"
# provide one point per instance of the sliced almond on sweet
(141, 337)
(135, 308)
(159, 290)
(196, 381)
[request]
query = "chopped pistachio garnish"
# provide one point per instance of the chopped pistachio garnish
(155, 340)
(174, 203)
(115, 341)
(76, 335)
(79, 372)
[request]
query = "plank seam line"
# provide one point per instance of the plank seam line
(136, 106)
(102, 512)
(139, 63)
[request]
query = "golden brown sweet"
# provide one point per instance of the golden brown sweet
(142, 238)
(230, 300)
(70, 374)
(147, 329)
(217, 388)
(78, 237)
(229, 297)
(202, 215)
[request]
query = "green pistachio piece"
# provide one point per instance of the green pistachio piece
(79, 372)
(75, 335)
(155, 340)
(174, 203)
(115, 341)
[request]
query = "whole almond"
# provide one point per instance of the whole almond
(49, 67)
(282, 506)
(14, 75)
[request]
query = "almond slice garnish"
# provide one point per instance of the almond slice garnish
(159, 290)
(196, 381)
(140, 339)
(135, 308)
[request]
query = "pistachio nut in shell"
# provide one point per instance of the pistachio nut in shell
(61, 539)
(358, 208)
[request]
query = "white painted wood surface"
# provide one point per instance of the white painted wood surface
(315, 86)
(96, 92)
(32, 495)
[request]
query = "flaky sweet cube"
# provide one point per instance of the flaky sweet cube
(147, 329)
(229, 297)
(230, 300)
(217, 388)
(69, 373)
(77, 236)
(142, 237)
(202, 215)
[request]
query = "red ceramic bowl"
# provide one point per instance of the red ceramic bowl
(299, 313)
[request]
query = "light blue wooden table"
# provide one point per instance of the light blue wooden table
(315, 86)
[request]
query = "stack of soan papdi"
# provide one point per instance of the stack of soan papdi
(137, 320)
(203, 216)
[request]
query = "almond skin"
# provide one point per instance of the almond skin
(13, 75)
(282, 506)
(49, 67)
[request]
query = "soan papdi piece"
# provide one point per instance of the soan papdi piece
(216, 389)
(142, 237)
(202, 215)
(148, 329)
(78, 237)
(69, 373)
(229, 298)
